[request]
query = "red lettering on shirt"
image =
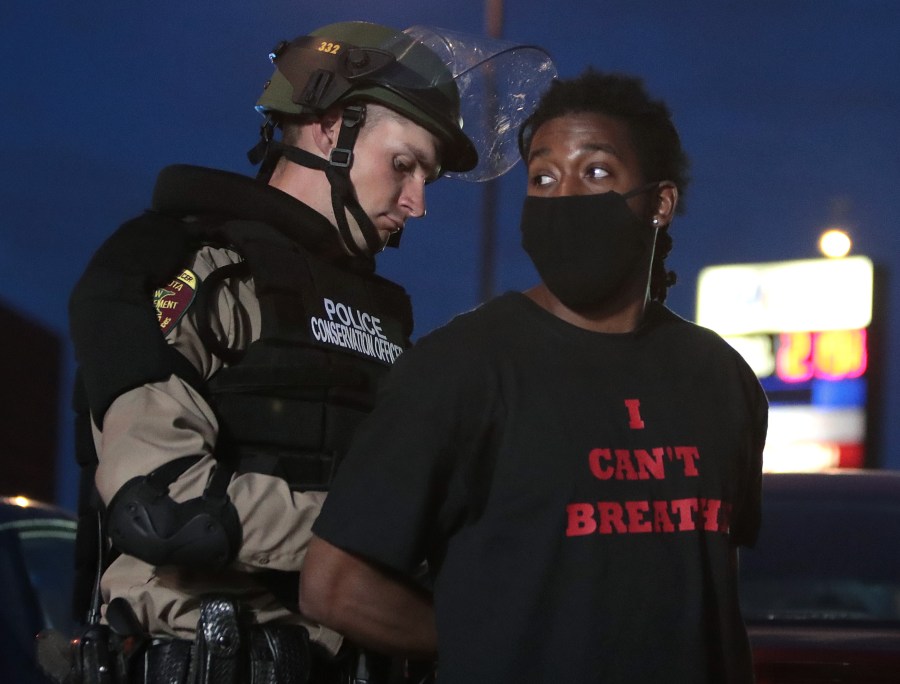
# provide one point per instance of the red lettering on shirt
(650, 465)
(688, 455)
(634, 414)
(599, 471)
(684, 509)
(642, 464)
(709, 511)
(639, 516)
(610, 517)
(644, 517)
(624, 467)
(661, 520)
(581, 519)
(636, 520)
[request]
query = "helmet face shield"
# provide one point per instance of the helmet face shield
(499, 84)
(469, 91)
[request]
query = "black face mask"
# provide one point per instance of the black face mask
(585, 247)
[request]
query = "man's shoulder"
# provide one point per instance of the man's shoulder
(495, 315)
(698, 344)
(473, 339)
(185, 189)
(195, 191)
(672, 324)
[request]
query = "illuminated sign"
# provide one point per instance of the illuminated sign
(786, 296)
(802, 326)
(832, 355)
(800, 356)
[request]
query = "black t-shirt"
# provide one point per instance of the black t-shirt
(578, 495)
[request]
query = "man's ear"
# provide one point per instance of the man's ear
(666, 202)
(326, 129)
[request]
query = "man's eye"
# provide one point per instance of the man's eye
(541, 180)
(401, 165)
(597, 172)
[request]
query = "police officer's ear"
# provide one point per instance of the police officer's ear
(666, 201)
(325, 131)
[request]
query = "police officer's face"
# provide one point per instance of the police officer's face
(393, 160)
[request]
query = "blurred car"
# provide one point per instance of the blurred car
(37, 545)
(820, 591)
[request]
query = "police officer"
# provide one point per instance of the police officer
(212, 425)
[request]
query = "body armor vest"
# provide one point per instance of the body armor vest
(290, 403)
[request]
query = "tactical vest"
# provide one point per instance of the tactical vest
(288, 404)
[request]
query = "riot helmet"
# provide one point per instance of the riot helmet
(357, 61)
(421, 73)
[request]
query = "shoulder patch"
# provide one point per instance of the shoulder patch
(173, 299)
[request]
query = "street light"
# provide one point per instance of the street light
(834, 243)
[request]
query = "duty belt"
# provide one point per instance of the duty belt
(227, 650)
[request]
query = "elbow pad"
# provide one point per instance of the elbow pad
(144, 522)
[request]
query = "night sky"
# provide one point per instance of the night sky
(789, 111)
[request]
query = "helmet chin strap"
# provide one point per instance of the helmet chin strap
(354, 225)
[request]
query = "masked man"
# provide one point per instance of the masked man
(577, 463)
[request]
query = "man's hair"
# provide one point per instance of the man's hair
(653, 136)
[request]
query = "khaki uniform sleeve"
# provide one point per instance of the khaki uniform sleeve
(159, 422)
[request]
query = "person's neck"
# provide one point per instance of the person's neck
(620, 315)
(310, 186)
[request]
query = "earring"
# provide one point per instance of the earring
(655, 221)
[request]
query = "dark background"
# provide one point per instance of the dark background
(789, 109)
